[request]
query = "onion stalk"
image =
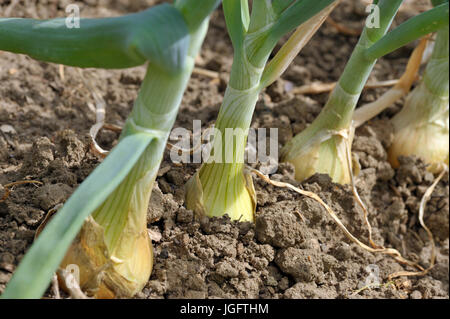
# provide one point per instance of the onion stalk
(223, 186)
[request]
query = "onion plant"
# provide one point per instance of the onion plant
(222, 186)
(321, 147)
(112, 251)
(422, 126)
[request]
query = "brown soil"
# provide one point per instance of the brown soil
(294, 250)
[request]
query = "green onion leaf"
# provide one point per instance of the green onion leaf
(416, 27)
(291, 18)
(438, 2)
(262, 15)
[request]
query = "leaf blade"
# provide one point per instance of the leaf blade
(413, 29)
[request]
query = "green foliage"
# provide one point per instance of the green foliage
(158, 34)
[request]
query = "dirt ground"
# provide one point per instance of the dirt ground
(294, 250)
